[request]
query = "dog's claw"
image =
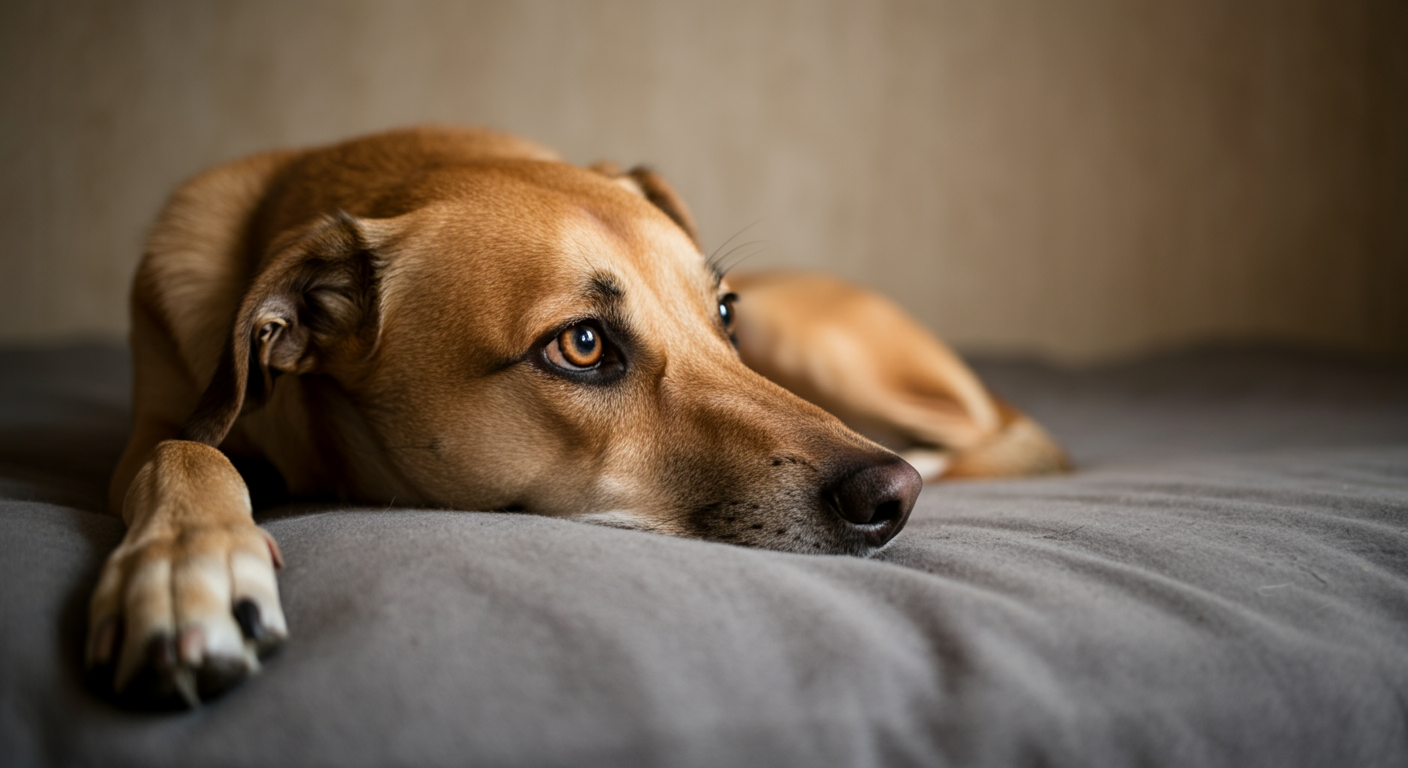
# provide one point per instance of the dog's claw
(275, 553)
(247, 614)
(220, 674)
(185, 682)
(176, 672)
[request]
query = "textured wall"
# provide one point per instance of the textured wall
(1079, 179)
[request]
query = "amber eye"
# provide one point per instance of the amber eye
(726, 311)
(576, 348)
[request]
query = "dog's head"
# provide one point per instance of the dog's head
(528, 335)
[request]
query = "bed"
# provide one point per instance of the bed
(1223, 582)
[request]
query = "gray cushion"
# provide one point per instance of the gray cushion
(1225, 582)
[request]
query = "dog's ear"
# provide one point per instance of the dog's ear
(648, 184)
(315, 298)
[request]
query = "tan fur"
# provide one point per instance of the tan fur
(183, 296)
(382, 321)
(1020, 447)
(860, 357)
(194, 270)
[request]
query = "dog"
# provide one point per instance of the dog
(455, 318)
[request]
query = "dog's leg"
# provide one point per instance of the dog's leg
(860, 357)
(188, 601)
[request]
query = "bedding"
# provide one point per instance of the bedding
(1224, 581)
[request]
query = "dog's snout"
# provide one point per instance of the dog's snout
(875, 499)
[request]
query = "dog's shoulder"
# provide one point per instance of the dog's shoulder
(197, 257)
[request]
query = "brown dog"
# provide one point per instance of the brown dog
(455, 318)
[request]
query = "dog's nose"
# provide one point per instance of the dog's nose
(876, 499)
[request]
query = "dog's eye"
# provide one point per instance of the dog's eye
(726, 311)
(576, 348)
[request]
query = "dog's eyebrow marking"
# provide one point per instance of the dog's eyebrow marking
(605, 290)
(607, 298)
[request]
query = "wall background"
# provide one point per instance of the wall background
(1080, 179)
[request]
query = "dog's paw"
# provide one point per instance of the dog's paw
(184, 612)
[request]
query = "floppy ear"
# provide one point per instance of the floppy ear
(315, 298)
(646, 183)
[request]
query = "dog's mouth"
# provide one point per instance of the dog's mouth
(860, 510)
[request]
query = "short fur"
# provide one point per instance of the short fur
(384, 320)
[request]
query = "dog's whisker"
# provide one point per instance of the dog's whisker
(713, 259)
(731, 238)
(762, 246)
(719, 259)
(723, 264)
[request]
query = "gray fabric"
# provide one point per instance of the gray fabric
(1225, 582)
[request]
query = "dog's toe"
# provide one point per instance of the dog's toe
(256, 606)
(217, 674)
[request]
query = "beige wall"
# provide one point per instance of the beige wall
(1080, 179)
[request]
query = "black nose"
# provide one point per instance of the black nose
(875, 498)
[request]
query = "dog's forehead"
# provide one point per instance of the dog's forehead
(634, 256)
(651, 256)
(523, 257)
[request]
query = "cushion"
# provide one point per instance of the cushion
(1224, 581)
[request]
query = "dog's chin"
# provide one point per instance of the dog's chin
(798, 536)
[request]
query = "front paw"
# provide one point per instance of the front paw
(183, 613)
